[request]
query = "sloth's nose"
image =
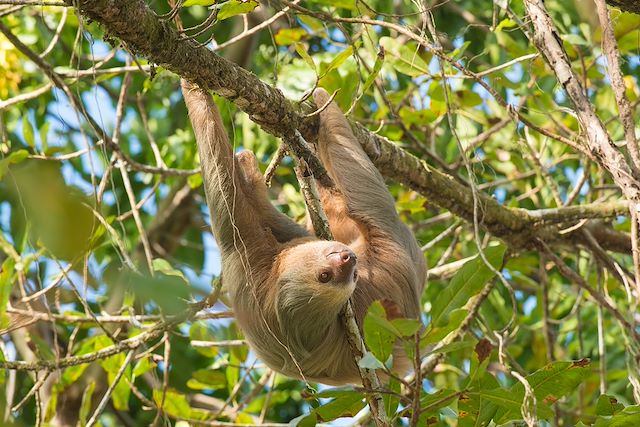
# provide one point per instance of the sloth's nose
(343, 263)
(342, 255)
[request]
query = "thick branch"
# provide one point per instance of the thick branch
(548, 41)
(266, 105)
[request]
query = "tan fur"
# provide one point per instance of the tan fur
(272, 265)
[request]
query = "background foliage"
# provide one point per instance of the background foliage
(104, 241)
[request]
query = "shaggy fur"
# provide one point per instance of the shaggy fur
(273, 268)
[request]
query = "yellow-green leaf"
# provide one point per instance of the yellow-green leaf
(287, 36)
(189, 3)
(6, 281)
(27, 131)
(85, 406)
(235, 7)
(340, 58)
(302, 51)
(403, 58)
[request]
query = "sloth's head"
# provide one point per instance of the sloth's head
(316, 276)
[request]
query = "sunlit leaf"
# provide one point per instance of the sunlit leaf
(189, 3)
(341, 4)
(162, 266)
(13, 158)
(467, 282)
(207, 379)
(235, 7)
(302, 51)
(287, 36)
(339, 59)
(403, 58)
(86, 405)
(142, 366)
(6, 285)
(27, 131)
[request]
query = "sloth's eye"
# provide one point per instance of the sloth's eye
(325, 276)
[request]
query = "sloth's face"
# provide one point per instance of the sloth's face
(317, 272)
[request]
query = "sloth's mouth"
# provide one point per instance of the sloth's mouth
(355, 274)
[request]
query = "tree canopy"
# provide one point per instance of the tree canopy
(507, 132)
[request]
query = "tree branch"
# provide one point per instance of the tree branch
(160, 43)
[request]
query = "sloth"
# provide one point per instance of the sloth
(287, 287)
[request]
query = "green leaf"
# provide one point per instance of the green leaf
(169, 292)
(44, 136)
(505, 23)
(232, 372)
(468, 98)
(302, 51)
(235, 7)
(287, 36)
(440, 399)
(508, 402)
(608, 405)
(27, 131)
(467, 282)
(199, 331)
(189, 3)
(174, 403)
(377, 66)
(93, 344)
(347, 405)
(121, 391)
(70, 376)
(421, 117)
(407, 327)
(341, 4)
(435, 334)
(549, 384)
(575, 39)
(405, 58)
(455, 346)
(52, 406)
(6, 284)
(13, 158)
(195, 180)
(379, 333)
(313, 23)
(43, 347)
(628, 417)
(473, 409)
(304, 420)
(336, 392)
(339, 59)
(243, 418)
(162, 266)
(391, 401)
(207, 379)
(459, 51)
(142, 366)
(85, 406)
(59, 214)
